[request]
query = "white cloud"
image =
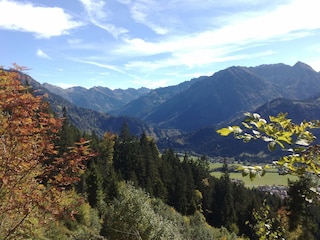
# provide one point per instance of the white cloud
(223, 43)
(98, 16)
(144, 11)
(42, 54)
(44, 22)
(106, 66)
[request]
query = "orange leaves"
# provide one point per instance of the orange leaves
(33, 178)
(65, 171)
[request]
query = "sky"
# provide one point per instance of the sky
(153, 43)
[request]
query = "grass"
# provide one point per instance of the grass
(270, 178)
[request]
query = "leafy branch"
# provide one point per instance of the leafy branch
(296, 139)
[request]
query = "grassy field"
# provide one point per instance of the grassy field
(270, 178)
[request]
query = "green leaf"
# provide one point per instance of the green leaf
(240, 168)
(228, 130)
(246, 125)
(281, 144)
(286, 137)
(252, 175)
(224, 131)
(272, 146)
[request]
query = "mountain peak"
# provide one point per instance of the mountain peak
(302, 65)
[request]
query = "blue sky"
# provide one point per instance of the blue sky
(153, 43)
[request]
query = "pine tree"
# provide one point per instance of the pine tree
(300, 205)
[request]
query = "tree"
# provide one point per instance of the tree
(297, 139)
(99, 181)
(131, 216)
(33, 178)
(135, 215)
(301, 208)
(126, 152)
(302, 159)
(266, 226)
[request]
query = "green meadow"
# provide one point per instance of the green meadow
(271, 177)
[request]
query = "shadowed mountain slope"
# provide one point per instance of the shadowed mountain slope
(207, 141)
(227, 94)
(145, 105)
(87, 119)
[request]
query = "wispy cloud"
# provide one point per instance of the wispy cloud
(146, 41)
(224, 43)
(101, 65)
(98, 15)
(44, 22)
(143, 12)
(42, 54)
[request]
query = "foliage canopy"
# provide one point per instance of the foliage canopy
(35, 180)
(296, 139)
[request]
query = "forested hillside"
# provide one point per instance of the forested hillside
(58, 182)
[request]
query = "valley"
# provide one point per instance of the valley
(186, 116)
(168, 162)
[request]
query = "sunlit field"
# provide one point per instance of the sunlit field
(272, 177)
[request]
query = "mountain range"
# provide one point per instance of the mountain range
(101, 99)
(185, 116)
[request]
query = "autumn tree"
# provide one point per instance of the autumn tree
(33, 179)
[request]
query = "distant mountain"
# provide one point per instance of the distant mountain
(225, 95)
(297, 82)
(207, 141)
(87, 119)
(186, 116)
(143, 106)
(203, 101)
(213, 100)
(100, 99)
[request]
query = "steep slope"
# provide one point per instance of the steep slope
(87, 119)
(303, 84)
(297, 110)
(100, 99)
(297, 82)
(227, 94)
(204, 101)
(214, 99)
(143, 106)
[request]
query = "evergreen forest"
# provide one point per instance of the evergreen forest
(57, 182)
